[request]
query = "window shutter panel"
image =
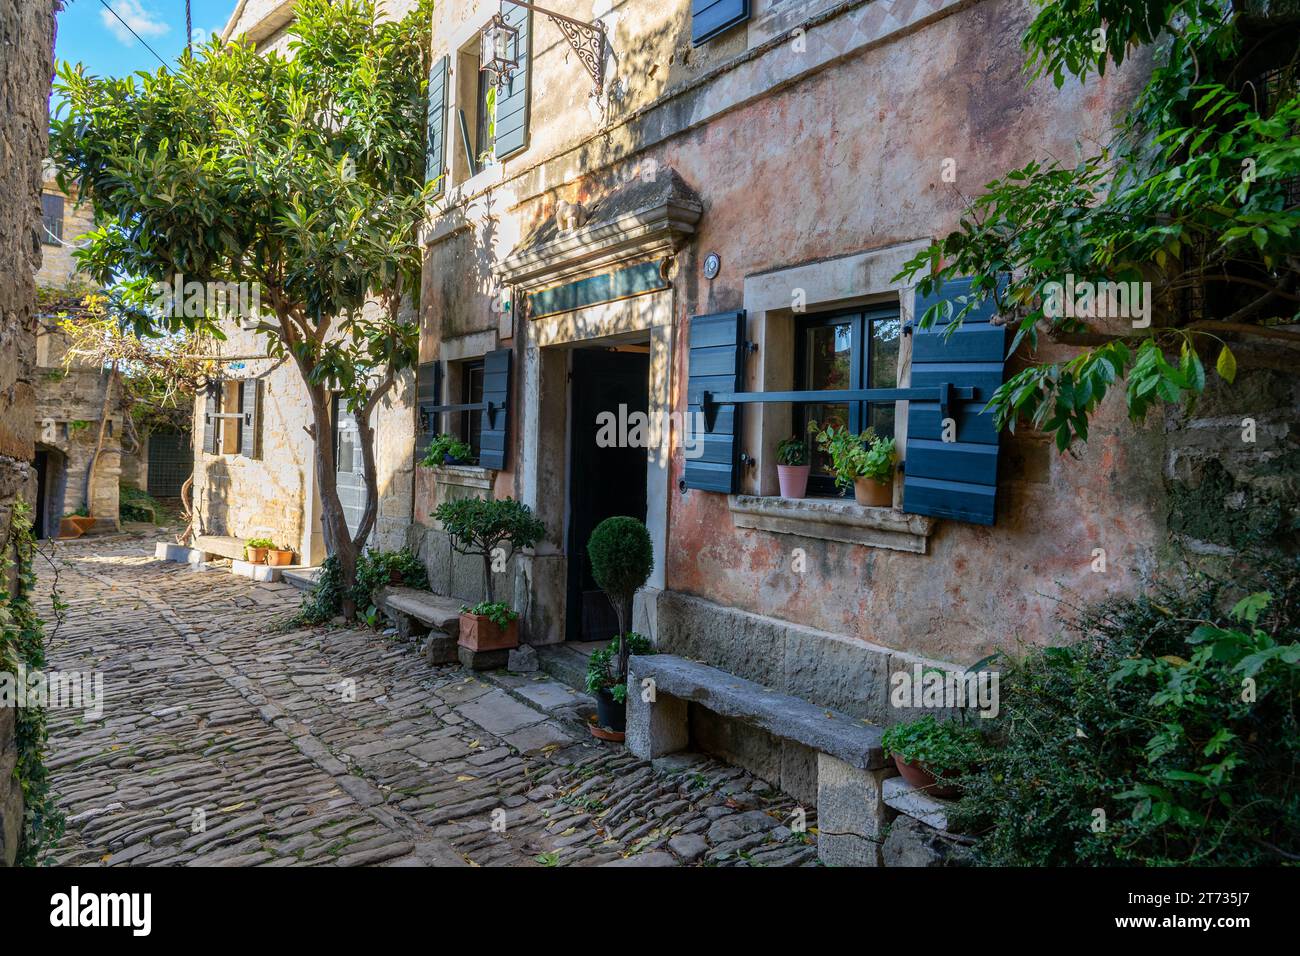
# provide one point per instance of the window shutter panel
(428, 393)
(956, 479)
(715, 364)
(711, 17)
(512, 97)
(250, 428)
(436, 144)
(210, 424)
(494, 434)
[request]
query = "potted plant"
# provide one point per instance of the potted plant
(483, 527)
(447, 450)
(489, 626)
(865, 461)
(792, 467)
(604, 685)
(930, 752)
(255, 549)
(279, 556)
(81, 520)
(622, 558)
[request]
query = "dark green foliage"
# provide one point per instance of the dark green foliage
(137, 505)
(374, 570)
(1173, 715)
(479, 526)
(22, 642)
(445, 447)
(601, 664)
(622, 556)
(792, 451)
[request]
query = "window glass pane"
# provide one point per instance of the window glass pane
(827, 351)
(471, 394)
(882, 371)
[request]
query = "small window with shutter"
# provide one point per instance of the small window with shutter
(51, 219)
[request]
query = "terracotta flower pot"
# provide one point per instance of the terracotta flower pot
(83, 522)
(869, 492)
(255, 555)
(69, 528)
(277, 558)
(793, 479)
(921, 779)
(478, 633)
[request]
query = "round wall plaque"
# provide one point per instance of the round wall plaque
(712, 265)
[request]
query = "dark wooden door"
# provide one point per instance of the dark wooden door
(604, 481)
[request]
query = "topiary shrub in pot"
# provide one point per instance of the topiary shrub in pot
(622, 558)
(482, 527)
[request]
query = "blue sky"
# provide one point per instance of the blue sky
(89, 34)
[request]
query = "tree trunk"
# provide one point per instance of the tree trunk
(334, 527)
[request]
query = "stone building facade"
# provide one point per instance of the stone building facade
(265, 485)
(776, 166)
(25, 69)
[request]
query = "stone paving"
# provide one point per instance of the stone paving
(228, 740)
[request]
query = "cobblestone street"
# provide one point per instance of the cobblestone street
(227, 740)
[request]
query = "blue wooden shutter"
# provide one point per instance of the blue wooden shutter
(711, 17)
(512, 96)
(428, 393)
(210, 409)
(436, 144)
(250, 394)
(494, 433)
(716, 364)
(955, 479)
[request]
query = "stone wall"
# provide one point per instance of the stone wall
(27, 38)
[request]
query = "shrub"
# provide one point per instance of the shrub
(1167, 735)
(498, 612)
(479, 526)
(374, 569)
(137, 505)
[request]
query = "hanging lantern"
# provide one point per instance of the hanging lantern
(498, 51)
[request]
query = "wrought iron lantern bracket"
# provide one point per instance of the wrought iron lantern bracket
(587, 40)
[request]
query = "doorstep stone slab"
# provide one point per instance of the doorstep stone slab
(255, 572)
(538, 737)
(902, 796)
(499, 713)
(550, 694)
(791, 718)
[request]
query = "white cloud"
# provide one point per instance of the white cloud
(143, 21)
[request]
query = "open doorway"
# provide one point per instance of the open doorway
(51, 484)
(605, 478)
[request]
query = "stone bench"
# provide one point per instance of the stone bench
(851, 764)
(221, 546)
(416, 613)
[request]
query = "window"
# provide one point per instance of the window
(51, 219)
(485, 108)
(231, 407)
(471, 392)
(840, 350)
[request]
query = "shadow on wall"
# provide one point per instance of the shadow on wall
(217, 498)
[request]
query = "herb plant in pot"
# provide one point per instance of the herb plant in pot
(622, 558)
(255, 549)
(792, 468)
(447, 450)
(930, 753)
(604, 685)
(485, 527)
(279, 556)
(865, 461)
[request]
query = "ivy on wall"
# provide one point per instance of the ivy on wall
(22, 643)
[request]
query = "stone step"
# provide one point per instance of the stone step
(900, 795)
(567, 661)
(304, 579)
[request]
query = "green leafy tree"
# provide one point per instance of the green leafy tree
(1195, 193)
(301, 173)
(479, 526)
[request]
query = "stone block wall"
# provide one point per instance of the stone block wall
(27, 38)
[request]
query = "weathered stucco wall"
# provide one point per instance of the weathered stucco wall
(842, 157)
(27, 38)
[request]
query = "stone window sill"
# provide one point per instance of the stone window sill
(834, 520)
(464, 476)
